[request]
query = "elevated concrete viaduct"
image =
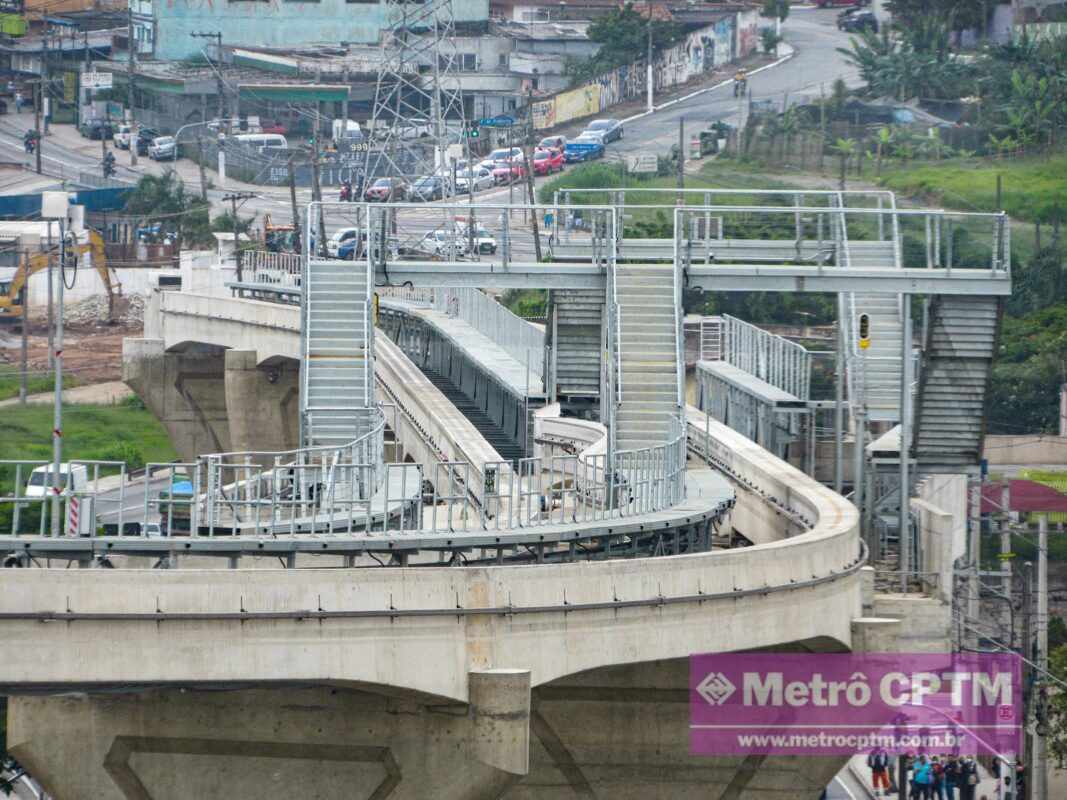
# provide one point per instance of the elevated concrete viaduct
(390, 680)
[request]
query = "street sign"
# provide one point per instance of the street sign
(97, 80)
(1007, 556)
(646, 162)
(499, 121)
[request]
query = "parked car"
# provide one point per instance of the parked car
(545, 162)
(610, 130)
(553, 143)
(272, 126)
(123, 136)
(96, 129)
(144, 140)
(504, 154)
(506, 172)
(584, 148)
(385, 190)
(841, 3)
(355, 247)
(857, 21)
(163, 148)
(429, 187)
(481, 177)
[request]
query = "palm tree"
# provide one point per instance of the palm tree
(885, 138)
(845, 148)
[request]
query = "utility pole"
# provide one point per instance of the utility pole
(528, 162)
(219, 83)
(131, 77)
(233, 197)
(37, 141)
(316, 186)
(1039, 773)
(681, 158)
(44, 77)
(292, 200)
(648, 75)
(24, 346)
(200, 164)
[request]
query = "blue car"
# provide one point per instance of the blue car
(584, 148)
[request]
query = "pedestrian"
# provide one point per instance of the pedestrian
(18, 102)
(937, 771)
(951, 769)
(968, 778)
(922, 779)
(1020, 779)
(878, 761)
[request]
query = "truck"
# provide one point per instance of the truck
(175, 506)
(346, 130)
(78, 504)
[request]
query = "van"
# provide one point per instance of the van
(275, 141)
(75, 479)
(343, 129)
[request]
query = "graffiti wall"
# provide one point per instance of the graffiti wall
(699, 53)
(748, 39)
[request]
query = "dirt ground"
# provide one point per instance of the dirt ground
(92, 350)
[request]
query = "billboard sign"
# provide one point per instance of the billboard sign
(847, 703)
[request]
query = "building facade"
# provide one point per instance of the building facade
(278, 23)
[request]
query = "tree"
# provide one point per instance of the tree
(162, 202)
(622, 34)
(775, 9)
(882, 143)
(845, 149)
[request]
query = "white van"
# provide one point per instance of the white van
(75, 479)
(333, 244)
(274, 141)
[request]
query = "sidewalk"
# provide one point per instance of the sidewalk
(858, 767)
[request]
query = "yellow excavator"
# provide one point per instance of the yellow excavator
(11, 290)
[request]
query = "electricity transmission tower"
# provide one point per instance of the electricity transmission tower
(418, 105)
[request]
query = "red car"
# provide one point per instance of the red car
(385, 190)
(272, 126)
(545, 162)
(505, 173)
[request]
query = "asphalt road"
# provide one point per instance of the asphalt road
(815, 66)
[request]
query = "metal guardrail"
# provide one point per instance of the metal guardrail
(769, 357)
(521, 340)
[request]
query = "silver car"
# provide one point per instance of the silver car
(480, 177)
(163, 148)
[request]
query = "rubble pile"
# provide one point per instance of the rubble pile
(129, 310)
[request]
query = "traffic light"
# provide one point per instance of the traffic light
(109, 164)
(472, 132)
(865, 331)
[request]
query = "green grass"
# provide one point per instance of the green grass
(125, 432)
(120, 432)
(37, 383)
(1032, 188)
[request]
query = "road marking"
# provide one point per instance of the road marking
(844, 786)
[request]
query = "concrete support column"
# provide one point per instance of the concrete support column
(184, 391)
(262, 402)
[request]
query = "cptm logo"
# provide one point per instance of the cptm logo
(716, 688)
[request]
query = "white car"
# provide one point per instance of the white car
(507, 155)
(483, 240)
(480, 177)
(163, 147)
(442, 242)
(123, 137)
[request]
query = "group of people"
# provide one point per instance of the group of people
(940, 777)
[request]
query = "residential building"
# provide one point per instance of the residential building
(279, 23)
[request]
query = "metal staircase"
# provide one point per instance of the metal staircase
(576, 317)
(961, 342)
(337, 380)
(648, 351)
(875, 373)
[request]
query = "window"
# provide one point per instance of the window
(502, 60)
